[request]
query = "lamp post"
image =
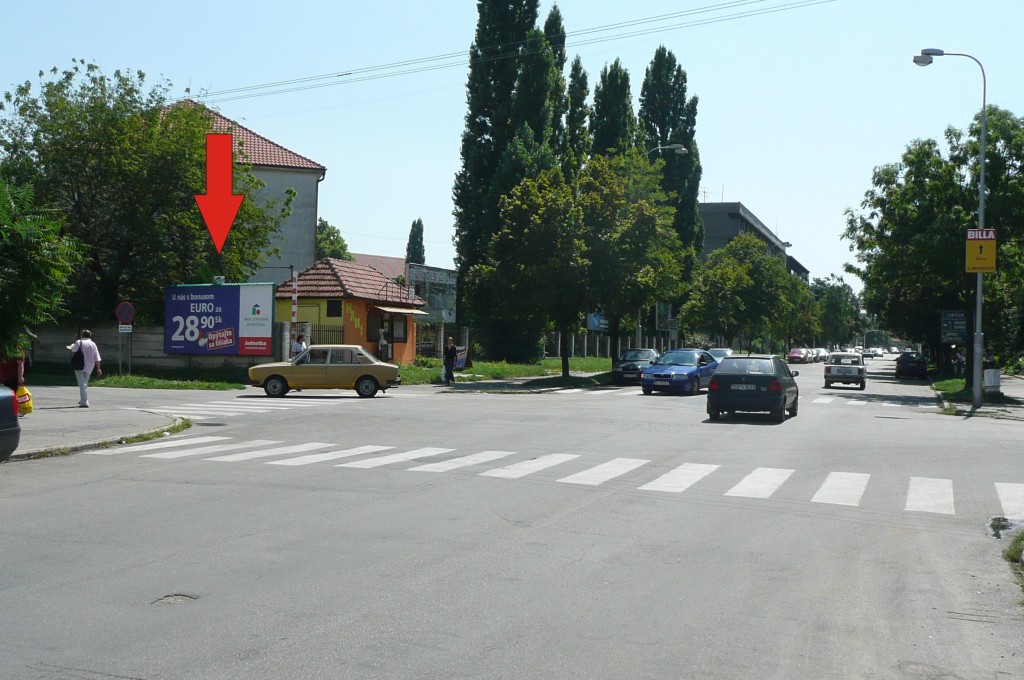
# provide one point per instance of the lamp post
(924, 59)
(678, 148)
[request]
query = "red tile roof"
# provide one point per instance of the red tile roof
(257, 149)
(391, 267)
(330, 278)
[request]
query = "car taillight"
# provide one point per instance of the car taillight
(775, 385)
(828, 369)
(713, 385)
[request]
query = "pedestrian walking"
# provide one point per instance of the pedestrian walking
(958, 361)
(299, 346)
(85, 356)
(449, 362)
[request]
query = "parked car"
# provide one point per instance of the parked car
(327, 367)
(10, 428)
(822, 353)
(847, 368)
(874, 352)
(719, 352)
(911, 364)
(753, 383)
(679, 370)
(631, 363)
(799, 355)
(893, 350)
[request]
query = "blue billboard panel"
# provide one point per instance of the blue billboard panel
(219, 319)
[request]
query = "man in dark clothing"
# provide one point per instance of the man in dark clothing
(449, 362)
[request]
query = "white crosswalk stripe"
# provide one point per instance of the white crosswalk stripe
(528, 467)
(761, 483)
(930, 495)
(330, 455)
(602, 473)
(680, 479)
(213, 448)
(842, 488)
(923, 494)
(396, 458)
(465, 461)
(265, 453)
(1011, 497)
(824, 400)
(162, 444)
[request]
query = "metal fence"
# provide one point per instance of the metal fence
(322, 334)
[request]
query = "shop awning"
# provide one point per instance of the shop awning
(400, 310)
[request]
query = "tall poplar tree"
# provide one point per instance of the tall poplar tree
(554, 32)
(666, 117)
(577, 115)
(612, 122)
(415, 253)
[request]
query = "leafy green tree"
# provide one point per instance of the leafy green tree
(415, 253)
(554, 31)
(612, 123)
(667, 116)
(122, 168)
(577, 142)
(330, 243)
(537, 251)
(636, 256)
(35, 270)
(840, 310)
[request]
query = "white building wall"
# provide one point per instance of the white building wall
(297, 236)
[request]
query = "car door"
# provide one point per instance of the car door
(708, 364)
(343, 369)
(309, 370)
(788, 381)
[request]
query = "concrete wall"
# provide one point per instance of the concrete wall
(297, 236)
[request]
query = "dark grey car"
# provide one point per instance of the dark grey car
(631, 363)
(10, 428)
(753, 383)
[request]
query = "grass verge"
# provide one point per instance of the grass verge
(427, 371)
(958, 390)
(1013, 556)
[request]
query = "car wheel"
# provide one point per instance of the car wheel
(828, 385)
(694, 387)
(366, 386)
(646, 390)
(863, 385)
(796, 406)
(714, 414)
(779, 414)
(898, 375)
(275, 386)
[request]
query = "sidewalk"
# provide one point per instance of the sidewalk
(58, 424)
(1012, 387)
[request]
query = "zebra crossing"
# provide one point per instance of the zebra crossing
(839, 488)
(842, 401)
(226, 408)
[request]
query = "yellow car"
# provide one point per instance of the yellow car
(326, 367)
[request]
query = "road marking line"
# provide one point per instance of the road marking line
(925, 494)
(396, 458)
(330, 455)
(600, 474)
(167, 412)
(824, 400)
(856, 403)
(680, 479)
(1011, 496)
(573, 390)
(530, 466)
(465, 461)
(249, 455)
(842, 488)
(214, 448)
(891, 403)
(761, 483)
(243, 404)
(156, 445)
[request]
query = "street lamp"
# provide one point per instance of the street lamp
(924, 59)
(678, 148)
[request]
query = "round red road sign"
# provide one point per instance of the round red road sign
(125, 312)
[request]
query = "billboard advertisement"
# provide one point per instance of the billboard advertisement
(438, 287)
(234, 319)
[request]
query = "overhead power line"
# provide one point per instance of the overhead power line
(600, 34)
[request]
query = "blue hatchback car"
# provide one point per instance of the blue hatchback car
(684, 371)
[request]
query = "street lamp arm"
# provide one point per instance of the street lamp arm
(678, 148)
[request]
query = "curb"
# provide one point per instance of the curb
(54, 451)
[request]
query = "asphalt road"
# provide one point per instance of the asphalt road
(575, 534)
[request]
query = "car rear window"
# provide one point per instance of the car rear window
(745, 366)
(845, 360)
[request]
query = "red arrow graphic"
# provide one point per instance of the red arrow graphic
(218, 205)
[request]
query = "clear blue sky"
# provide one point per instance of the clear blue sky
(796, 107)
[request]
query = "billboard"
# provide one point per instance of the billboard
(438, 287)
(234, 319)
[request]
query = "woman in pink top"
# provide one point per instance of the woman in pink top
(90, 360)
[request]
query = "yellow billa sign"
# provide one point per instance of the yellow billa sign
(981, 251)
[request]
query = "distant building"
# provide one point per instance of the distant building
(435, 285)
(725, 221)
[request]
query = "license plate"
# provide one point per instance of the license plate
(661, 383)
(630, 375)
(846, 371)
(744, 387)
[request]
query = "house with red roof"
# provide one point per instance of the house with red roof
(369, 306)
(281, 169)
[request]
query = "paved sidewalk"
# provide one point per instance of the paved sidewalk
(57, 423)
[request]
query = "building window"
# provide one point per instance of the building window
(398, 326)
(334, 308)
(373, 326)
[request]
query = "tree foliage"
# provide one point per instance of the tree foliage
(36, 267)
(122, 168)
(330, 243)
(415, 253)
(612, 122)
